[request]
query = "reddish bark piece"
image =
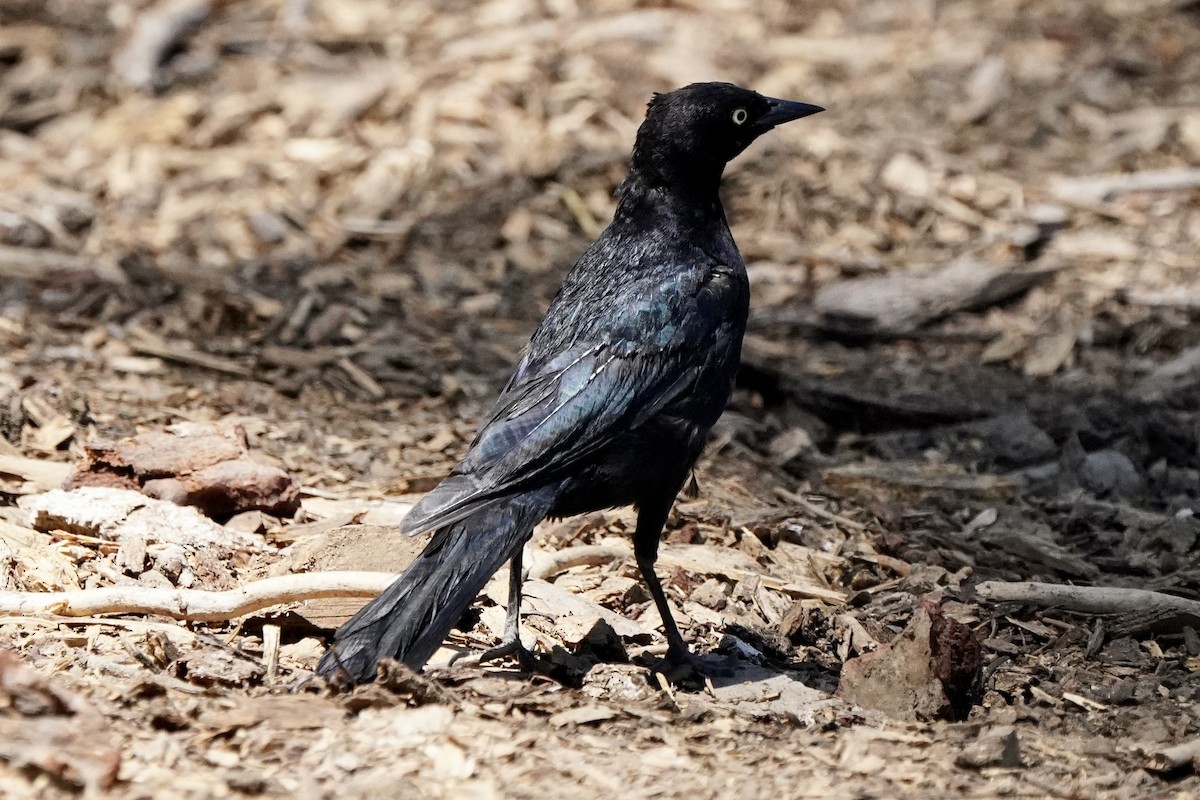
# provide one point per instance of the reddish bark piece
(194, 464)
(931, 670)
(177, 449)
(45, 729)
(231, 487)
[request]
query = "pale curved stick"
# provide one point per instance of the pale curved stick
(1086, 599)
(197, 604)
(544, 566)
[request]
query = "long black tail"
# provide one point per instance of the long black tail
(411, 618)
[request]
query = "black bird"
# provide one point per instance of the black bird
(612, 401)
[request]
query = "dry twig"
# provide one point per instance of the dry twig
(1180, 755)
(197, 604)
(545, 566)
(1102, 188)
(1137, 609)
(818, 511)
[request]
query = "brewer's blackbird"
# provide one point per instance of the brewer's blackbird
(612, 399)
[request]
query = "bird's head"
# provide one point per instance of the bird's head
(691, 133)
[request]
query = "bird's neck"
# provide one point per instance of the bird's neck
(694, 202)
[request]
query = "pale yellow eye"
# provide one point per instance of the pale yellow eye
(740, 116)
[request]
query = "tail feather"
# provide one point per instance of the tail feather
(411, 618)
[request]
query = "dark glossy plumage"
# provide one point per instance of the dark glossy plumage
(615, 395)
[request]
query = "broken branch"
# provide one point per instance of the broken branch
(1180, 755)
(196, 604)
(546, 565)
(1138, 609)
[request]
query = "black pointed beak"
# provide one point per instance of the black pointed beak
(782, 111)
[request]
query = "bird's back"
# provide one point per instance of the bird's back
(637, 351)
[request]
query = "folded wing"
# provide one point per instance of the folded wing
(556, 414)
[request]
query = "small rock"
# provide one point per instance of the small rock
(986, 87)
(131, 555)
(20, 231)
(710, 594)
(249, 522)
(905, 174)
(1189, 132)
(995, 747)
(1014, 439)
(154, 579)
(1110, 473)
(269, 227)
(1024, 234)
(247, 782)
(1048, 216)
(171, 561)
(347, 762)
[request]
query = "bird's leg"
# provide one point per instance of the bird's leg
(645, 550)
(510, 645)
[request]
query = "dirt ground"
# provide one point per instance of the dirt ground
(974, 357)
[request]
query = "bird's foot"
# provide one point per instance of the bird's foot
(509, 647)
(682, 664)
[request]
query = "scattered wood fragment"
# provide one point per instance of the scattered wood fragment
(53, 267)
(709, 560)
(769, 694)
(1174, 297)
(1086, 703)
(1038, 545)
(47, 730)
(1087, 599)
(53, 427)
(995, 747)
(818, 511)
(271, 637)
(1051, 349)
(382, 511)
(931, 670)
(1103, 188)
(869, 477)
(1172, 378)
(1169, 759)
(30, 562)
(208, 466)
(156, 33)
(186, 354)
(986, 87)
(197, 605)
(362, 378)
(43, 475)
(573, 618)
(1138, 610)
(899, 303)
(544, 565)
(177, 634)
(117, 514)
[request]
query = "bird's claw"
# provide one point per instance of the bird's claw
(510, 647)
(680, 665)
